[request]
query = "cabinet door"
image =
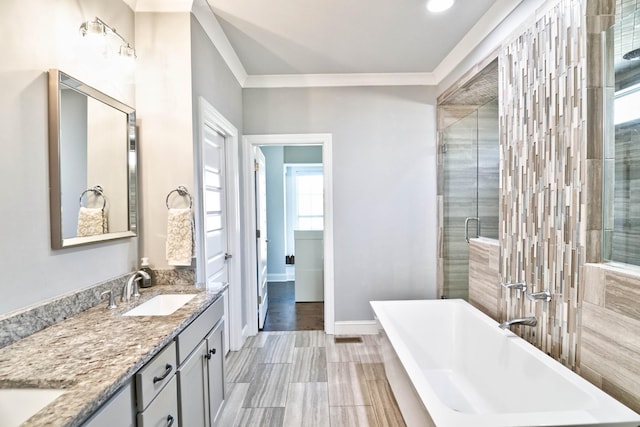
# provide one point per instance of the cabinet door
(163, 411)
(118, 411)
(192, 388)
(216, 370)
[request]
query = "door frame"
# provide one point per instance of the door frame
(248, 143)
(208, 115)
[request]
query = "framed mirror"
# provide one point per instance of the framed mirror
(92, 164)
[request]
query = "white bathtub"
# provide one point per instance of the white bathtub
(450, 358)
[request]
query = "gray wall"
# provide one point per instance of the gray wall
(31, 271)
(384, 183)
(305, 154)
(212, 79)
(274, 163)
(73, 137)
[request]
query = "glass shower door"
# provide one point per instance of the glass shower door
(460, 202)
(471, 191)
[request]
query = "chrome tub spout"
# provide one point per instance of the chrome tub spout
(527, 321)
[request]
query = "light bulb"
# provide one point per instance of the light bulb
(436, 6)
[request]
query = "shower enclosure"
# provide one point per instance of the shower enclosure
(470, 173)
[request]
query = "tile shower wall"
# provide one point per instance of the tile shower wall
(551, 207)
(543, 133)
(484, 277)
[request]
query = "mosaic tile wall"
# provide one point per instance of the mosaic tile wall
(543, 133)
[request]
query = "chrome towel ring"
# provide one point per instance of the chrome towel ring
(97, 191)
(182, 191)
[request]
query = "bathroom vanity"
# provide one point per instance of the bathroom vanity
(126, 370)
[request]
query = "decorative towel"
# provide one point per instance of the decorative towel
(179, 237)
(91, 222)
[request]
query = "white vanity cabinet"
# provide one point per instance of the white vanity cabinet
(156, 390)
(215, 345)
(163, 410)
(182, 385)
(119, 410)
(192, 382)
(200, 368)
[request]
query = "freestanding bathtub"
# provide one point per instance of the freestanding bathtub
(450, 365)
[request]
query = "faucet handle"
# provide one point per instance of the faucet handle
(112, 301)
(517, 285)
(543, 295)
(136, 290)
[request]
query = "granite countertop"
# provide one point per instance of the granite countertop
(92, 354)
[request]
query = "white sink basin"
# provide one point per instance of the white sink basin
(161, 305)
(17, 405)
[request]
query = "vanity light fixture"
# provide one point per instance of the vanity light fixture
(99, 28)
(436, 6)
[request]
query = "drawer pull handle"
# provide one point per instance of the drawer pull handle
(168, 368)
(169, 420)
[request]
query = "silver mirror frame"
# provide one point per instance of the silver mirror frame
(56, 79)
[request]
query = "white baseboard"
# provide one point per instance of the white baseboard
(356, 327)
(280, 277)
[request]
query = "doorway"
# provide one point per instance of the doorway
(281, 281)
(290, 213)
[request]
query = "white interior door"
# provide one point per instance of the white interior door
(214, 204)
(261, 235)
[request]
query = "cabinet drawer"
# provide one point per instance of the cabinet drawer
(163, 411)
(154, 375)
(118, 411)
(191, 336)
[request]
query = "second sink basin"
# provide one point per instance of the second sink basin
(17, 405)
(161, 305)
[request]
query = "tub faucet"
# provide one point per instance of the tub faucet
(527, 321)
(131, 288)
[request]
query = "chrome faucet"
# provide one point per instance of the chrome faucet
(518, 285)
(131, 288)
(543, 295)
(527, 321)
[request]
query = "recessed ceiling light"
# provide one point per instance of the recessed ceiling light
(439, 5)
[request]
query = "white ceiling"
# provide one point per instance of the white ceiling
(269, 43)
(343, 36)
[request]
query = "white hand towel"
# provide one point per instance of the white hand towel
(179, 237)
(91, 222)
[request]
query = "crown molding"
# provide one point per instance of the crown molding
(203, 13)
(336, 80)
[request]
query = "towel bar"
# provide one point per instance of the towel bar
(182, 191)
(98, 191)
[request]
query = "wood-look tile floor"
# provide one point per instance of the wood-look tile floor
(304, 378)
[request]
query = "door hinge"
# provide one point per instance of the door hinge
(259, 299)
(257, 234)
(443, 148)
(256, 166)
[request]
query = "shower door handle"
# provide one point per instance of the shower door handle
(466, 227)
